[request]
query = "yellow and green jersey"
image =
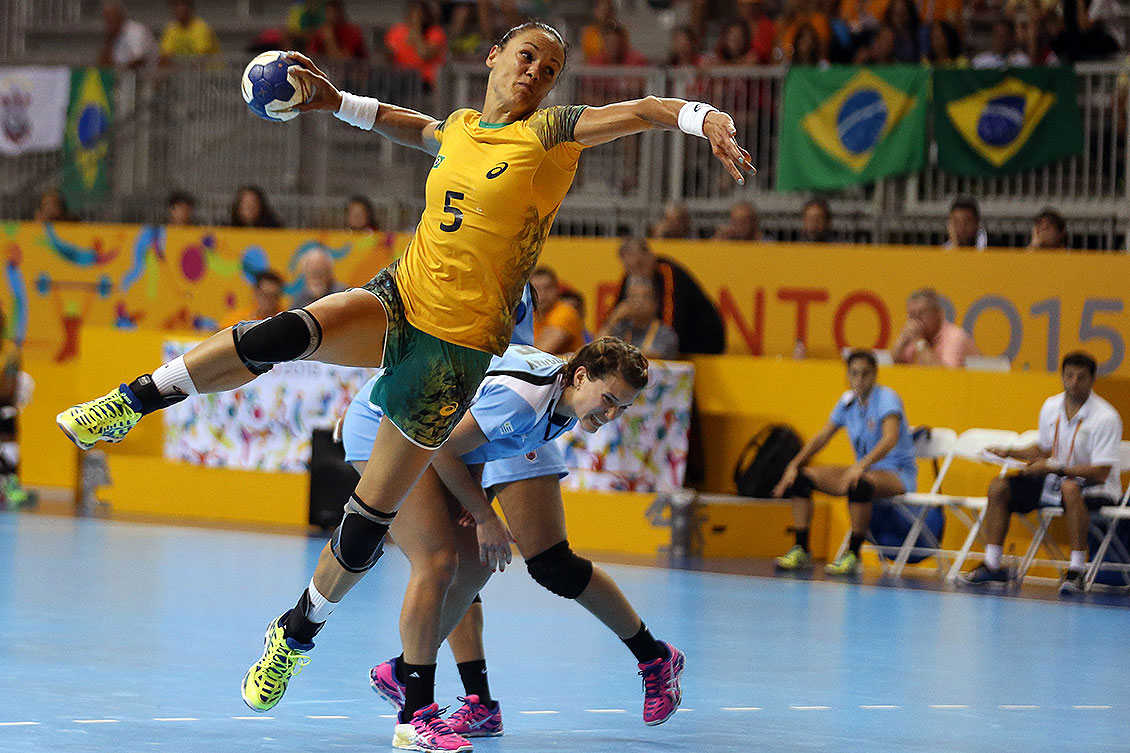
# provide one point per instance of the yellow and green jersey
(492, 194)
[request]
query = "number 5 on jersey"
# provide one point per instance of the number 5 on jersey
(456, 212)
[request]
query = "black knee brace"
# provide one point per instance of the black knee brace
(289, 336)
(560, 571)
(863, 491)
(358, 541)
(802, 487)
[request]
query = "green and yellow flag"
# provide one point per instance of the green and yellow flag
(846, 125)
(87, 136)
(989, 122)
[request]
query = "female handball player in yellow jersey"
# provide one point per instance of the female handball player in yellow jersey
(433, 319)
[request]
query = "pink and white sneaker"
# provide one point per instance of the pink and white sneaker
(661, 692)
(429, 732)
(382, 678)
(475, 719)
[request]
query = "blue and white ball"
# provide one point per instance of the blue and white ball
(270, 89)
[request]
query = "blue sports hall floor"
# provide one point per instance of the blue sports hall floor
(122, 637)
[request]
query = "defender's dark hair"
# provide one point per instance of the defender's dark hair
(607, 356)
(861, 355)
(1079, 358)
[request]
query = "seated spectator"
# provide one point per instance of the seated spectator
(266, 299)
(734, 46)
(762, 31)
(303, 19)
(418, 42)
(127, 43)
(359, 215)
(316, 270)
(1069, 466)
(468, 36)
(1036, 30)
(744, 224)
(558, 327)
(963, 226)
(796, 14)
(816, 221)
(902, 18)
(592, 36)
(807, 48)
(864, 15)
(577, 301)
(52, 207)
(1049, 230)
(179, 209)
(636, 320)
(187, 36)
(337, 38)
(618, 48)
(945, 46)
(884, 464)
(927, 339)
(682, 304)
(12, 493)
(1082, 37)
(685, 50)
(1003, 51)
(879, 51)
(675, 223)
(250, 209)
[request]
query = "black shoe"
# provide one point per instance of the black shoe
(1074, 582)
(983, 575)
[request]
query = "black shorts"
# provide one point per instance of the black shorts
(1025, 492)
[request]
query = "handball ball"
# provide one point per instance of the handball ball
(270, 90)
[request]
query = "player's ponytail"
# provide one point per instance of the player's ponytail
(606, 356)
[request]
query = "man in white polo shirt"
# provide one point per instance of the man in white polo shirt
(1074, 463)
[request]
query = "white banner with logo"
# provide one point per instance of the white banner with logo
(33, 108)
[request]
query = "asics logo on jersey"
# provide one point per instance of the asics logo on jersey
(447, 410)
(497, 170)
(439, 159)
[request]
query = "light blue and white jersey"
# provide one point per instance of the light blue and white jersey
(864, 424)
(515, 404)
(359, 429)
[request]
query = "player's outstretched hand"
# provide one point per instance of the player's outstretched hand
(324, 95)
(720, 132)
(494, 543)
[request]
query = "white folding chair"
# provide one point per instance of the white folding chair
(1114, 515)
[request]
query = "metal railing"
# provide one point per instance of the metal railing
(186, 129)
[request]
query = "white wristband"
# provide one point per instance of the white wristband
(691, 117)
(358, 111)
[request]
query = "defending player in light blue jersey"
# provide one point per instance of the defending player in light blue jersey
(527, 398)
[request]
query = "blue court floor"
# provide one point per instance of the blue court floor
(124, 637)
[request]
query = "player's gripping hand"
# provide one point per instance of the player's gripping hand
(325, 96)
(494, 542)
(720, 132)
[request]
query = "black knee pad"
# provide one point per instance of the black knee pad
(289, 336)
(560, 571)
(358, 541)
(802, 487)
(863, 491)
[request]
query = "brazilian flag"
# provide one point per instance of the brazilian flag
(989, 122)
(846, 125)
(86, 139)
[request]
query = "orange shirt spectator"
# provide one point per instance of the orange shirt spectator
(418, 43)
(338, 38)
(557, 325)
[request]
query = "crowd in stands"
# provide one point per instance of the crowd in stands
(716, 33)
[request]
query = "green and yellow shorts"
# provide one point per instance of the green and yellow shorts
(428, 383)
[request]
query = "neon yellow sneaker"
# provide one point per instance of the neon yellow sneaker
(847, 564)
(265, 683)
(108, 418)
(795, 559)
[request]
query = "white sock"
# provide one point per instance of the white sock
(320, 607)
(1078, 561)
(993, 556)
(172, 378)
